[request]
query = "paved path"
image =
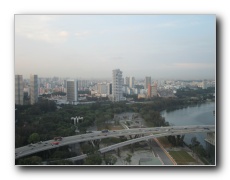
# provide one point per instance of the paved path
(159, 152)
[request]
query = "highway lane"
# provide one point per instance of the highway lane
(30, 149)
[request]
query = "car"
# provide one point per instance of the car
(105, 131)
(55, 143)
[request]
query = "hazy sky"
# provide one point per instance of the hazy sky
(91, 46)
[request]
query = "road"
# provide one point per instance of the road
(159, 152)
(163, 131)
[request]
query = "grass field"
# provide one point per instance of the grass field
(182, 157)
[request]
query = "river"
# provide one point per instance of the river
(193, 115)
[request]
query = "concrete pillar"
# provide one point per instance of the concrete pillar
(93, 143)
(118, 152)
(132, 148)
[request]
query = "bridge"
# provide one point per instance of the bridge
(148, 132)
(145, 138)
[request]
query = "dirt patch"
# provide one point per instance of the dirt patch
(115, 127)
(164, 142)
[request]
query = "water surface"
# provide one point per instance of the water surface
(192, 115)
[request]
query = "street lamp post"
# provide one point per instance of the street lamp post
(76, 118)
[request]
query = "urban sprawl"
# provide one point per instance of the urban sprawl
(75, 91)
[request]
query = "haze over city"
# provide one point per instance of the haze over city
(105, 89)
(91, 46)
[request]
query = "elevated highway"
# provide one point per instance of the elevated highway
(145, 138)
(146, 132)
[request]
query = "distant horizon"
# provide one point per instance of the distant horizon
(108, 79)
(91, 46)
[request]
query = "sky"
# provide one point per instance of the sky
(91, 46)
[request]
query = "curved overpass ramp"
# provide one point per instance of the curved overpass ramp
(115, 146)
(118, 145)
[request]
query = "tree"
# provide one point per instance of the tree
(93, 159)
(86, 148)
(34, 138)
(172, 140)
(128, 158)
(201, 151)
(61, 162)
(58, 154)
(180, 140)
(194, 142)
(110, 159)
(34, 160)
(198, 148)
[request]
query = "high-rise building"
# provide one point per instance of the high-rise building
(117, 85)
(131, 82)
(122, 81)
(109, 88)
(33, 89)
(149, 91)
(147, 81)
(127, 80)
(204, 84)
(65, 85)
(72, 88)
(19, 89)
(102, 88)
(152, 90)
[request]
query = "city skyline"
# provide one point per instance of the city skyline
(90, 46)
